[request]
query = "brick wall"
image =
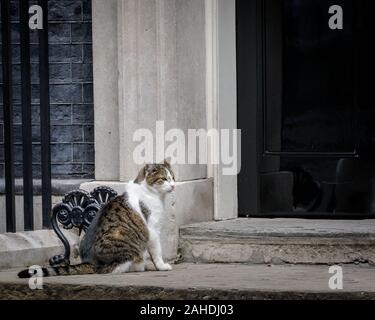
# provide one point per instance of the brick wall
(71, 91)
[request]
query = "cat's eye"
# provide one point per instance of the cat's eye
(160, 181)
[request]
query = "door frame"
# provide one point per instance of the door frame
(221, 94)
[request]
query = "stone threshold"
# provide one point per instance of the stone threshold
(279, 241)
(201, 282)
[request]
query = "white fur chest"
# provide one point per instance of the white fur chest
(137, 193)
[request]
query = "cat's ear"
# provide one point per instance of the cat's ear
(168, 161)
(149, 168)
(141, 175)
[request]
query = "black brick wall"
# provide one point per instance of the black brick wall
(71, 91)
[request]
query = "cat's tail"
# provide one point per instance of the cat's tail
(79, 269)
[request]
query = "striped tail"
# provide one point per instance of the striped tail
(80, 269)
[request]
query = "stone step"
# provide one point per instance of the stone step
(34, 248)
(279, 241)
(201, 281)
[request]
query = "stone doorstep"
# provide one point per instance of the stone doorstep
(279, 241)
(34, 248)
(201, 282)
(250, 241)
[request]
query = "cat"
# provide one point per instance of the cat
(307, 193)
(125, 229)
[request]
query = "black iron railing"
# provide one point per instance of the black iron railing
(45, 116)
(26, 115)
(27, 142)
(8, 116)
(77, 210)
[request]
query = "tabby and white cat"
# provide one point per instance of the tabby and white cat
(125, 229)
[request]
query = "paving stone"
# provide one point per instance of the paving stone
(201, 281)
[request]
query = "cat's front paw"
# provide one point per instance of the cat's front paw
(164, 267)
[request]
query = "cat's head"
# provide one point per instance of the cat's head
(158, 177)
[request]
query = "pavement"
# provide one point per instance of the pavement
(201, 282)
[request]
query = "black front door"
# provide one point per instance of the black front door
(306, 107)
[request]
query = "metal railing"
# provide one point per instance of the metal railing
(26, 115)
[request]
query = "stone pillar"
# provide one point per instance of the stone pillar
(149, 65)
(104, 16)
(162, 73)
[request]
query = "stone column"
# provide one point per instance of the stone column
(162, 73)
(105, 53)
(150, 62)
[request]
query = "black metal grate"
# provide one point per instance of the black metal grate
(26, 115)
